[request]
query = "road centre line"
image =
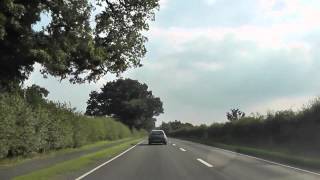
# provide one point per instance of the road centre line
(182, 149)
(204, 162)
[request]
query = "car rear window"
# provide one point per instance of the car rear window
(156, 132)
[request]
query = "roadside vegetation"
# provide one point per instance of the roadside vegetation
(287, 135)
(16, 161)
(32, 124)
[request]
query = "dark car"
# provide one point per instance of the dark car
(157, 136)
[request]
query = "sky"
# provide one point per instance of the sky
(208, 56)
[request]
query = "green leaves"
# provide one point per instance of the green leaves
(128, 100)
(32, 124)
(235, 115)
(17, 132)
(2, 23)
(69, 47)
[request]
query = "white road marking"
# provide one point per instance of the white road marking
(204, 162)
(96, 168)
(182, 149)
(270, 162)
(264, 160)
(173, 144)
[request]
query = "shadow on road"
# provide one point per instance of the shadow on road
(146, 144)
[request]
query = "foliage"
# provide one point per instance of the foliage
(30, 124)
(127, 100)
(174, 125)
(35, 95)
(295, 132)
(69, 47)
(235, 115)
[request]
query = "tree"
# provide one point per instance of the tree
(165, 127)
(174, 126)
(35, 95)
(128, 100)
(69, 47)
(235, 115)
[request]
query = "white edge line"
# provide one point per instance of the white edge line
(204, 162)
(182, 149)
(271, 162)
(96, 168)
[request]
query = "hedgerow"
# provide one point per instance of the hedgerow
(289, 131)
(37, 126)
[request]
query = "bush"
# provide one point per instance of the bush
(17, 127)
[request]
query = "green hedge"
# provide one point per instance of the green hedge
(285, 131)
(35, 128)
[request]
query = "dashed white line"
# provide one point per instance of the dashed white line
(182, 149)
(204, 162)
(173, 144)
(96, 168)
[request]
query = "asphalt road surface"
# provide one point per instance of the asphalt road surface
(184, 160)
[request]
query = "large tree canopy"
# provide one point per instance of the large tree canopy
(69, 47)
(128, 100)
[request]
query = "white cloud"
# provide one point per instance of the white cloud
(280, 36)
(163, 3)
(282, 103)
(299, 12)
(210, 2)
(208, 66)
(277, 23)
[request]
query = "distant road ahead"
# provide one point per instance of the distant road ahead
(184, 160)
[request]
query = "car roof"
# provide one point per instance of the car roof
(157, 130)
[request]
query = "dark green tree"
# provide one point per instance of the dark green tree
(35, 95)
(174, 126)
(69, 47)
(166, 127)
(235, 114)
(128, 100)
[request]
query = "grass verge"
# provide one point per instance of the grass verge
(77, 164)
(8, 162)
(290, 159)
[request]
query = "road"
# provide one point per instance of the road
(184, 160)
